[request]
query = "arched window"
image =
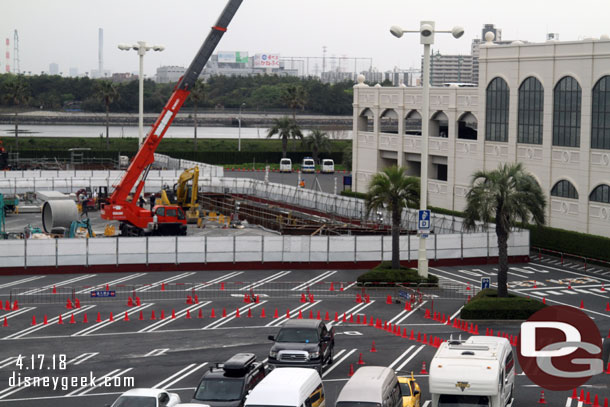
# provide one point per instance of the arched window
(600, 194)
(566, 113)
(531, 108)
(564, 189)
(600, 120)
(496, 110)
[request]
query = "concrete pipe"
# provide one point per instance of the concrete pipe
(58, 214)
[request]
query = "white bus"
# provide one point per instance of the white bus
(478, 372)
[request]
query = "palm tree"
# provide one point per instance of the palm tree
(510, 195)
(295, 97)
(107, 92)
(285, 128)
(16, 92)
(393, 190)
(198, 94)
(317, 141)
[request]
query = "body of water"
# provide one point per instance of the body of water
(27, 130)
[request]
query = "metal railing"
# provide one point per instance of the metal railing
(587, 261)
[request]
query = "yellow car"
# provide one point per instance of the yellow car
(411, 394)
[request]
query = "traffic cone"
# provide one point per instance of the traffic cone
(351, 318)
(99, 317)
(287, 314)
(542, 400)
(8, 305)
(582, 304)
(72, 319)
(448, 321)
(224, 312)
(476, 329)
(68, 304)
(311, 299)
(5, 324)
(162, 286)
(344, 319)
(427, 316)
(336, 316)
(360, 361)
(596, 401)
(85, 319)
(129, 302)
(162, 314)
(582, 396)
(111, 317)
(569, 285)
(60, 320)
(388, 299)
(33, 320)
(574, 394)
(373, 349)
(371, 321)
(263, 313)
(608, 307)
(404, 333)
(188, 314)
(419, 337)
(332, 286)
(423, 368)
(249, 312)
(358, 318)
(605, 401)
(77, 303)
(326, 317)
(54, 289)
(407, 306)
(358, 299)
(138, 303)
(246, 298)
(608, 368)
(222, 286)
(141, 318)
(213, 313)
(318, 316)
(257, 300)
(303, 299)
(173, 314)
(107, 287)
(126, 318)
(237, 313)
(341, 289)
(300, 315)
(189, 300)
(544, 300)
(424, 341)
(275, 314)
(603, 289)
(588, 399)
(45, 321)
(200, 314)
(310, 314)
(412, 336)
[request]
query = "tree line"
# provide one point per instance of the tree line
(53, 92)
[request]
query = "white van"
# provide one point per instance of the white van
(371, 386)
(308, 165)
(285, 165)
(288, 387)
(477, 372)
(328, 166)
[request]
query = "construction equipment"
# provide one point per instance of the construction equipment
(78, 224)
(86, 200)
(187, 195)
(170, 220)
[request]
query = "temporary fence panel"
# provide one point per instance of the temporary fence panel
(518, 243)
(273, 248)
(341, 248)
(368, 248)
(102, 251)
(131, 250)
(220, 249)
(248, 248)
(297, 248)
(446, 247)
(192, 249)
(161, 249)
(41, 252)
(318, 248)
(12, 253)
(70, 252)
(475, 244)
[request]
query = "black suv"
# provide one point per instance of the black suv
(227, 384)
(303, 343)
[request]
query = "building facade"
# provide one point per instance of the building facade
(546, 105)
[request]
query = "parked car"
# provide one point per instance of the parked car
(289, 387)
(328, 166)
(411, 393)
(371, 386)
(303, 343)
(308, 165)
(228, 384)
(285, 165)
(146, 398)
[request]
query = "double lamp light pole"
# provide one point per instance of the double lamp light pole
(426, 37)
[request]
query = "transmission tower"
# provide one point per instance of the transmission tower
(8, 56)
(323, 58)
(16, 53)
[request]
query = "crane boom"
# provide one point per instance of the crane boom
(119, 207)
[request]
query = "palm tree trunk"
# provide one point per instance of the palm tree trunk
(315, 155)
(503, 261)
(195, 127)
(284, 146)
(107, 129)
(395, 238)
(16, 131)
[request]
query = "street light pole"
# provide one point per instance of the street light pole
(141, 47)
(426, 37)
(239, 131)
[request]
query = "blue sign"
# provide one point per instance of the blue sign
(423, 220)
(485, 282)
(347, 180)
(97, 294)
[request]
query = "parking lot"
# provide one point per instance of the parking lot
(173, 352)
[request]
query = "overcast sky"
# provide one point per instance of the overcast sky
(66, 31)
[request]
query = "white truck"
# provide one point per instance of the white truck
(477, 372)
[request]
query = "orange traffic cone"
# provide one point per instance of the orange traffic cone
(351, 370)
(542, 400)
(287, 314)
(152, 316)
(162, 314)
(141, 318)
(189, 300)
(188, 314)
(326, 317)
(582, 304)
(213, 314)
(360, 361)
(224, 312)
(33, 320)
(85, 319)
(68, 304)
(60, 320)
(249, 312)
(126, 317)
(45, 321)
(275, 314)
(423, 368)
(237, 313)
(72, 320)
(99, 317)
(263, 313)
(111, 317)
(54, 289)
(373, 349)
(129, 302)
(173, 313)
(388, 299)
(300, 315)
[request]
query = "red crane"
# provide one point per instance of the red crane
(169, 220)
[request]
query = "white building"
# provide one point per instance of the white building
(546, 105)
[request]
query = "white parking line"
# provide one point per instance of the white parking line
(402, 355)
(216, 280)
(22, 281)
(293, 312)
(156, 325)
(552, 292)
(50, 322)
(86, 389)
(589, 292)
(231, 316)
(179, 375)
(157, 352)
(350, 286)
(8, 361)
(167, 280)
(13, 314)
(427, 403)
(354, 310)
(403, 364)
(264, 280)
(82, 358)
(338, 362)
(110, 283)
(119, 317)
(314, 280)
(60, 284)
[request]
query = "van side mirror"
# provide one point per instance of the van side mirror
(271, 338)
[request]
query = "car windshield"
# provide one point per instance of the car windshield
(301, 335)
(135, 401)
(219, 390)
(453, 400)
(285, 162)
(405, 389)
(357, 404)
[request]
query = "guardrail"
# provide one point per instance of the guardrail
(587, 261)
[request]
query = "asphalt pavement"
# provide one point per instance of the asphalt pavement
(174, 352)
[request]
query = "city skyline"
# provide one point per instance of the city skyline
(71, 41)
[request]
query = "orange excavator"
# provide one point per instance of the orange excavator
(122, 205)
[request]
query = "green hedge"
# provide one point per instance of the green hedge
(567, 241)
(353, 194)
(487, 305)
(384, 273)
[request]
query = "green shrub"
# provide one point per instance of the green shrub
(384, 274)
(567, 241)
(487, 305)
(353, 194)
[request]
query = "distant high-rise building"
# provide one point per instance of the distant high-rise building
(169, 74)
(450, 69)
(100, 50)
(53, 69)
(73, 72)
(552, 36)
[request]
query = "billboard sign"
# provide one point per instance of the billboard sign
(267, 60)
(231, 57)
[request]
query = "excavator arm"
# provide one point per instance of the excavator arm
(119, 206)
